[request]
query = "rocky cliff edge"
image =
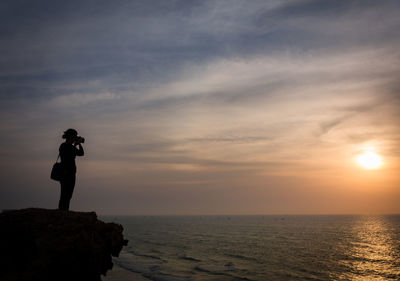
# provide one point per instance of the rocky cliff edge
(40, 244)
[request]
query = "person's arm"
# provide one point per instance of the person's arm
(79, 150)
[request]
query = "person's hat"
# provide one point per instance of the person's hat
(70, 133)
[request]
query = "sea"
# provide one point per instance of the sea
(247, 248)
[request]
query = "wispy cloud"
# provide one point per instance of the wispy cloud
(80, 99)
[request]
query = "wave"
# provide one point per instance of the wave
(222, 273)
(151, 242)
(241, 257)
(145, 255)
(166, 277)
(189, 258)
(149, 268)
(155, 276)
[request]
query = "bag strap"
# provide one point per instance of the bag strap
(58, 157)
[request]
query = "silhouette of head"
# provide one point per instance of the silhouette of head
(70, 133)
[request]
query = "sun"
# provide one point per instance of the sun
(369, 160)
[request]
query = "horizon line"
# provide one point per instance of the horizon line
(249, 215)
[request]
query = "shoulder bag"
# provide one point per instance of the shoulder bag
(57, 170)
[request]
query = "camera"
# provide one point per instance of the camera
(80, 139)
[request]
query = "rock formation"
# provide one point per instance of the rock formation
(40, 244)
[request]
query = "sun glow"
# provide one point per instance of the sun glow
(369, 160)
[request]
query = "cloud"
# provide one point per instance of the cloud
(318, 9)
(81, 99)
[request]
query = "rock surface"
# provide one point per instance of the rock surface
(40, 244)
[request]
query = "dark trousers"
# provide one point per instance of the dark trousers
(67, 188)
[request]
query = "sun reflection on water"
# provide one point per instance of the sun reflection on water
(372, 254)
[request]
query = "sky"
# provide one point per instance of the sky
(202, 107)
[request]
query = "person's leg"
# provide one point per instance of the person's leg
(62, 203)
(70, 190)
(67, 188)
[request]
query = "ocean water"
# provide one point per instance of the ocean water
(230, 248)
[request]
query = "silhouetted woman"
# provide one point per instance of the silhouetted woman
(69, 149)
